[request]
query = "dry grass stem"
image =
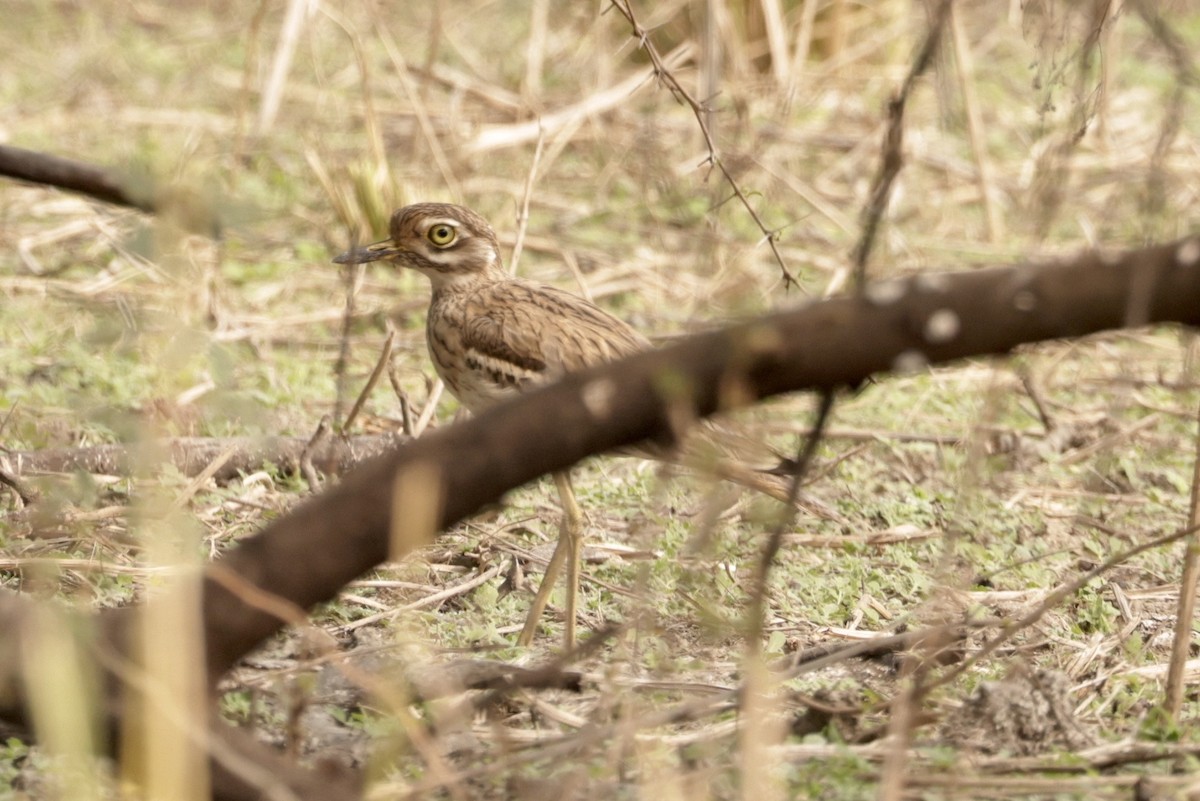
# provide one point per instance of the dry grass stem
(1181, 646)
(298, 12)
(965, 62)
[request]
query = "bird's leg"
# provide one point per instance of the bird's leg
(543, 593)
(568, 549)
(572, 532)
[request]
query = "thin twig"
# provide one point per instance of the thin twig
(406, 420)
(1035, 395)
(353, 280)
(298, 12)
(385, 356)
(306, 464)
(429, 600)
(775, 541)
(1057, 596)
(700, 110)
(431, 402)
(526, 194)
(893, 148)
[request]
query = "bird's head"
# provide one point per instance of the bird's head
(450, 244)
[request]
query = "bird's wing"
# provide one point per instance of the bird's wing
(527, 333)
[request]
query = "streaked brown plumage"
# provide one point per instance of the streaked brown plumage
(492, 335)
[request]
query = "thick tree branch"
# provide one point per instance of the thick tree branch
(187, 206)
(74, 176)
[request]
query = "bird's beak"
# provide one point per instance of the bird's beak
(383, 249)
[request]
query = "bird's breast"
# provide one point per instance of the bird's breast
(478, 380)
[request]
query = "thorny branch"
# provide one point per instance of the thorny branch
(889, 169)
(699, 109)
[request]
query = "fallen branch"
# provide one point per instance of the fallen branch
(191, 455)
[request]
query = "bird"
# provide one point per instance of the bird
(492, 336)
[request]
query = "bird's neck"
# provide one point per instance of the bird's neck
(450, 282)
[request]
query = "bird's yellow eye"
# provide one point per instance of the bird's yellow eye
(441, 234)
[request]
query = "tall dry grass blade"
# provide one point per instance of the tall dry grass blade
(164, 737)
(298, 12)
(1185, 613)
(900, 726)
(804, 39)
(345, 205)
(1110, 57)
(1016, 12)
(711, 62)
(62, 698)
(984, 175)
(502, 136)
(759, 731)
(777, 42)
(404, 76)
(371, 128)
(535, 52)
(523, 213)
(838, 24)
(175, 766)
(245, 82)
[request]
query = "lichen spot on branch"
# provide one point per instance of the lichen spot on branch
(942, 326)
(1188, 253)
(885, 293)
(597, 396)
